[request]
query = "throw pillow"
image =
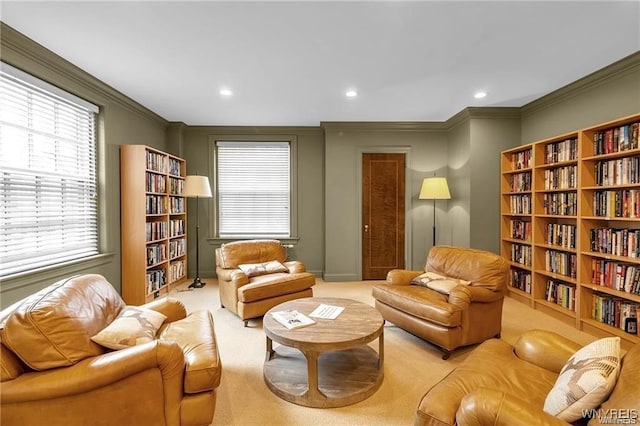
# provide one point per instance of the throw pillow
(440, 283)
(133, 326)
(255, 269)
(586, 380)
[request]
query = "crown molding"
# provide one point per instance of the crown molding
(20, 51)
(382, 126)
(258, 130)
(617, 69)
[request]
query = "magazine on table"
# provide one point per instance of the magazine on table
(292, 319)
(327, 311)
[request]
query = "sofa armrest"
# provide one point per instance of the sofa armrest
(401, 276)
(492, 407)
(100, 372)
(172, 308)
(295, 266)
(545, 349)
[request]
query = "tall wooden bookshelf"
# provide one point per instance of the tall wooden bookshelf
(153, 223)
(570, 226)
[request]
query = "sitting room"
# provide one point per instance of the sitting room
(311, 213)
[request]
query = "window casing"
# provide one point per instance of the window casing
(48, 187)
(253, 188)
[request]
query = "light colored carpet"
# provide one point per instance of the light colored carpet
(411, 366)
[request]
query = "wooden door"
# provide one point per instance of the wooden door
(383, 214)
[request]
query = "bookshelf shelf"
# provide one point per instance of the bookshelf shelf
(578, 197)
(153, 223)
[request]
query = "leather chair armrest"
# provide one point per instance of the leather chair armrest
(100, 371)
(460, 296)
(492, 407)
(295, 266)
(401, 276)
(483, 295)
(238, 278)
(172, 308)
(545, 349)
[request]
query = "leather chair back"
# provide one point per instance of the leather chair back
(482, 268)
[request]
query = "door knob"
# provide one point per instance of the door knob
(366, 228)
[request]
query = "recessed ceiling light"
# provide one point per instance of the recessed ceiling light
(351, 93)
(226, 92)
(480, 95)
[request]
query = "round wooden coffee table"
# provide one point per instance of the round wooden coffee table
(326, 364)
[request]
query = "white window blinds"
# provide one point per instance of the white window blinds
(253, 183)
(48, 200)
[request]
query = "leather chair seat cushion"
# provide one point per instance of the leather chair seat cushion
(196, 336)
(419, 302)
(273, 285)
(53, 327)
(491, 365)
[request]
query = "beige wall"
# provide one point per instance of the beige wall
(121, 121)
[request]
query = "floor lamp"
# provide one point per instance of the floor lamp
(197, 187)
(434, 188)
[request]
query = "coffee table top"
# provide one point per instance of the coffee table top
(358, 324)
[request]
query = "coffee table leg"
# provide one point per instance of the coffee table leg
(381, 350)
(313, 392)
(269, 348)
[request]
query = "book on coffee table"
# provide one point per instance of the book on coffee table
(326, 311)
(292, 319)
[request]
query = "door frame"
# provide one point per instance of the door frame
(408, 222)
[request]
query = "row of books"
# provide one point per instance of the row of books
(621, 171)
(560, 234)
(618, 203)
(521, 160)
(521, 280)
(616, 275)
(560, 262)
(155, 183)
(176, 227)
(177, 248)
(174, 167)
(521, 254)
(156, 204)
(561, 203)
(561, 177)
(520, 182)
(155, 280)
(156, 162)
(566, 150)
(176, 205)
(155, 231)
(520, 230)
(615, 312)
(561, 294)
(619, 242)
(176, 186)
(156, 253)
(520, 204)
(616, 139)
(177, 270)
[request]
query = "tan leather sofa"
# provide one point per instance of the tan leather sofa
(252, 296)
(468, 314)
(52, 373)
(500, 384)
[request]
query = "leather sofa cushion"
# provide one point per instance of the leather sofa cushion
(255, 251)
(272, 285)
(196, 336)
(53, 327)
(482, 268)
(419, 302)
(491, 365)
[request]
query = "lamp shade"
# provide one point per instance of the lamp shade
(434, 188)
(197, 186)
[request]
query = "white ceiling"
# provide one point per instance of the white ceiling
(290, 63)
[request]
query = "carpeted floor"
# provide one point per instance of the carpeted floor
(411, 366)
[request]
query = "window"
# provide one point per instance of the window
(253, 186)
(48, 199)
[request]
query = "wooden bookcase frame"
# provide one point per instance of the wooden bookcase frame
(561, 190)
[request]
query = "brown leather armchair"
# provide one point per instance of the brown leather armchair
(468, 314)
(254, 276)
(52, 373)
